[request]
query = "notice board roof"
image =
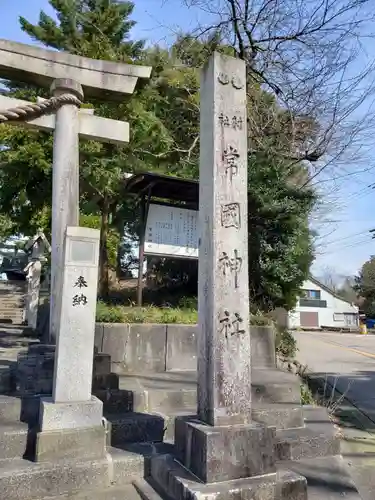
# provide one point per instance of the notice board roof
(163, 186)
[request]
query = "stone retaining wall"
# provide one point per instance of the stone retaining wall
(157, 348)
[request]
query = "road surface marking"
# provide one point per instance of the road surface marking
(357, 351)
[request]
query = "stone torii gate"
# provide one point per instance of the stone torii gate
(70, 77)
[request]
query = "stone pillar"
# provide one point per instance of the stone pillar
(224, 372)
(65, 189)
(72, 407)
(223, 445)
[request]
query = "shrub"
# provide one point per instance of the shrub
(121, 314)
(188, 303)
(286, 344)
(186, 313)
(307, 397)
(260, 319)
(109, 314)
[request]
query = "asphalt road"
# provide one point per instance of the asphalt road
(347, 361)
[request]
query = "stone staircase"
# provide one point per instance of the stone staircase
(156, 401)
(12, 301)
(106, 478)
(141, 412)
(22, 478)
(306, 439)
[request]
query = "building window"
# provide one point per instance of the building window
(311, 294)
(312, 303)
(338, 317)
(351, 319)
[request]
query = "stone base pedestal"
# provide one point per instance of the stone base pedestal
(224, 453)
(71, 430)
(232, 462)
(73, 415)
(89, 443)
(171, 478)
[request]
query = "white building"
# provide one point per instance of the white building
(320, 307)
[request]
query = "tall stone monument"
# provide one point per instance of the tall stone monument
(223, 453)
(69, 77)
(72, 408)
(224, 372)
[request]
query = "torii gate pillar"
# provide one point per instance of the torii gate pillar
(65, 189)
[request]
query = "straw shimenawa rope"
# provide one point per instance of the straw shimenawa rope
(34, 110)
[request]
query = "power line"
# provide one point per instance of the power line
(346, 247)
(347, 174)
(366, 231)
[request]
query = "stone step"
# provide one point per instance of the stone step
(122, 400)
(134, 427)
(328, 478)
(172, 380)
(15, 341)
(150, 400)
(5, 379)
(171, 391)
(363, 476)
(128, 492)
(143, 427)
(124, 466)
(20, 479)
(131, 427)
(23, 480)
(170, 422)
(20, 408)
(146, 489)
(275, 386)
(168, 401)
(165, 392)
(13, 440)
(149, 450)
(277, 393)
(10, 408)
(278, 415)
(115, 400)
(296, 444)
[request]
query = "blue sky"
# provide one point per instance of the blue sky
(349, 204)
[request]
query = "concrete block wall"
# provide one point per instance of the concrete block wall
(156, 348)
(12, 301)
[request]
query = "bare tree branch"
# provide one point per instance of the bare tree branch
(164, 154)
(309, 55)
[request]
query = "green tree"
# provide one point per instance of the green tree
(25, 170)
(101, 29)
(164, 118)
(6, 227)
(98, 29)
(365, 286)
(280, 242)
(93, 28)
(347, 291)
